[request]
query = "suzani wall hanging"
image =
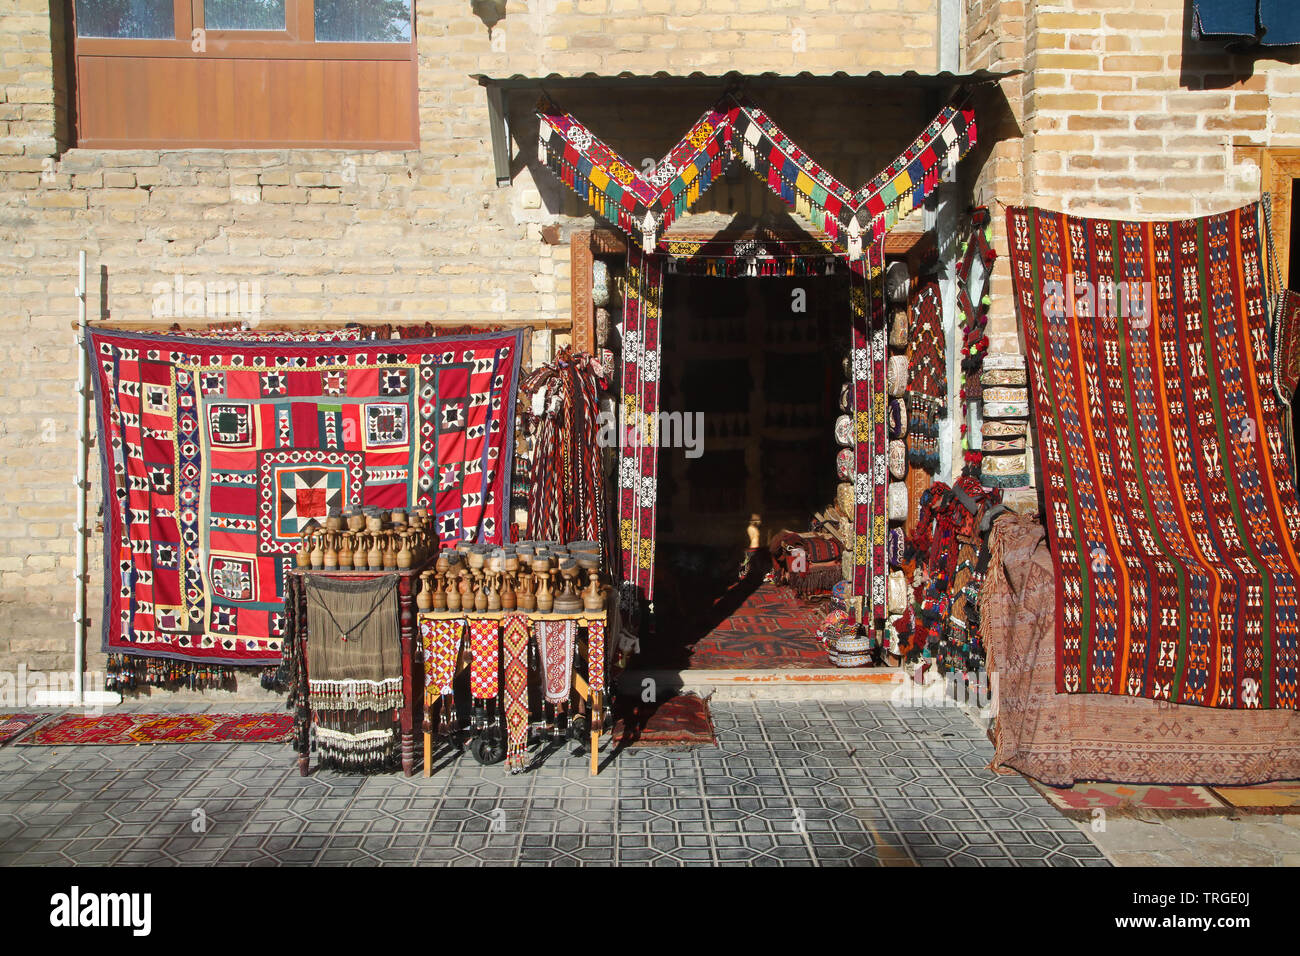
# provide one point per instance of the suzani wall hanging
(217, 453)
(1172, 515)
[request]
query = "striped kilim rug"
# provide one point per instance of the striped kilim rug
(1170, 507)
(119, 729)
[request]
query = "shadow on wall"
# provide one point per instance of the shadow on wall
(996, 123)
(1217, 64)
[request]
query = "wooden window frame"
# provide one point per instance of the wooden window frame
(296, 41)
(245, 54)
(1279, 168)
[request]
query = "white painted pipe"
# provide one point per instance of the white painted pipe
(83, 455)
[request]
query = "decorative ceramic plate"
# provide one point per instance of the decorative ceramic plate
(844, 464)
(844, 430)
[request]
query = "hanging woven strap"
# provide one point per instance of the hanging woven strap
(485, 656)
(441, 651)
(596, 656)
(515, 647)
(555, 646)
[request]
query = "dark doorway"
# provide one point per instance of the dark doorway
(758, 363)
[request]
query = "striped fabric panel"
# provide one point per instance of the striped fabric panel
(1170, 505)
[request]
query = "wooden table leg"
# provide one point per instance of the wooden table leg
(595, 718)
(428, 754)
(406, 601)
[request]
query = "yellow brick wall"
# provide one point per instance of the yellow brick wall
(332, 235)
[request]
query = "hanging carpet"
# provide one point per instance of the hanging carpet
(354, 666)
(218, 453)
(1171, 510)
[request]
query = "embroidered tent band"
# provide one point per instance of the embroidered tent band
(365, 671)
(1174, 516)
(645, 205)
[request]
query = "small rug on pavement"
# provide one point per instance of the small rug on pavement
(1282, 796)
(681, 721)
(11, 725)
(120, 729)
(1079, 802)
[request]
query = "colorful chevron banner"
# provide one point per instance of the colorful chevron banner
(644, 205)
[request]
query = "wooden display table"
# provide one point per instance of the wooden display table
(410, 715)
(593, 700)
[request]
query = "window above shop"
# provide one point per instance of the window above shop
(245, 73)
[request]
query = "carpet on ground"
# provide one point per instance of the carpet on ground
(1081, 801)
(12, 725)
(680, 721)
(124, 729)
(1282, 796)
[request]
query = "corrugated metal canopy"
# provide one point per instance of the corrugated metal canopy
(560, 81)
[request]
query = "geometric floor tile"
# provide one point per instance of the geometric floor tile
(789, 783)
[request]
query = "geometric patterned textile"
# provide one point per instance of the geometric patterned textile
(1081, 801)
(555, 649)
(639, 451)
(484, 657)
(218, 452)
(852, 220)
(926, 367)
(644, 206)
(121, 729)
(1171, 511)
(514, 646)
(11, 725)
(871, 439)
(682, 720)
(596, 656)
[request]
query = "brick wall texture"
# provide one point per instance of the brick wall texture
(1116, 112)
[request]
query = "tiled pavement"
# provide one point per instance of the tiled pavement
(792, 783)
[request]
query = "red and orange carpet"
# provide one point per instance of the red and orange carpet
(680, 721)
(747, 628)
(108, 730)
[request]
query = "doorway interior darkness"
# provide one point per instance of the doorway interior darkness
(757, 363)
